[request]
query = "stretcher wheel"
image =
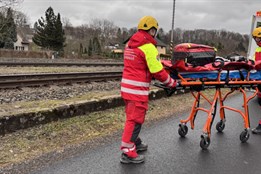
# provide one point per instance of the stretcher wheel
(183, 130)
(244, 136)
(220, 126)
(204, 142)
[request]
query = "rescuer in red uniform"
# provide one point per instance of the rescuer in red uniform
(257, 57)
(141, 64)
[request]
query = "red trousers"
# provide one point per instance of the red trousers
(135, 115)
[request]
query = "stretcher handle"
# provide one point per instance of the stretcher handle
(169, 91)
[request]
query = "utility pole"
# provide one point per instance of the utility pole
(172, 28)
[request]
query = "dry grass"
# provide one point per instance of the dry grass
(30, 143)
(33, 106)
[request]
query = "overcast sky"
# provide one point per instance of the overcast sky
(231, 15)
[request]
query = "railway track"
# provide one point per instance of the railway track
(10, 64)
(33, 80)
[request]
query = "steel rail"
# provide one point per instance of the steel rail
(32, 80)
(58, 64)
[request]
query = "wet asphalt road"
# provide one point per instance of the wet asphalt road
(168, 153)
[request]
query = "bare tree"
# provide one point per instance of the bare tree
(7, 3)
(66, 22)
(105, 29)
(21, 20)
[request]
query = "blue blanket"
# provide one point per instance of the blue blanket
(212, 75)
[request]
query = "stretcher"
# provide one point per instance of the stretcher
(238, 76)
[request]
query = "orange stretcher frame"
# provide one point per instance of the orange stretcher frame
(197, 85)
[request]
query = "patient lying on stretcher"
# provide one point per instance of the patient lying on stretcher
(210, 70)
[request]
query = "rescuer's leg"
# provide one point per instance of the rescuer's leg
(140, 146)
(135, 114)
(257, 130)
(141, 109)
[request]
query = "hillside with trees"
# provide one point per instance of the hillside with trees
(104, 32)
(225, 41)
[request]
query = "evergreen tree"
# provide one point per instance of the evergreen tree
(96, 46)
(49, 32)
(3, 30)
(11, 35)
(7, 30)
(90, 48)
(119, 36)
(80, 50)
(39, 36)
(60, 37)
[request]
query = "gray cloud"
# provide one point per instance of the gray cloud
(231, 15)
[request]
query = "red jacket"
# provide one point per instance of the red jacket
(140, 65)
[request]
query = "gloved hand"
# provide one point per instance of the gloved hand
(172, 89)
(178, 84)
(172, 84)
(169, 91)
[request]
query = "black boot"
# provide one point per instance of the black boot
(140, 146)
(257, 130)
(127, 160)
